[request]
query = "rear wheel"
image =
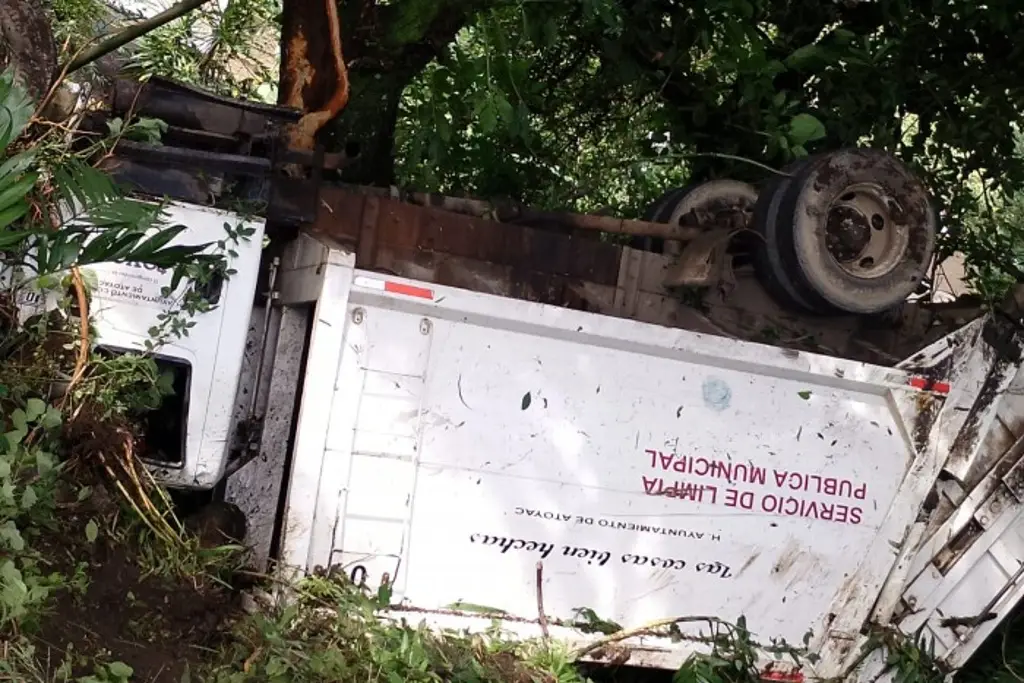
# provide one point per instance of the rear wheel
(715, 203)
(854, 231)
(772, 268)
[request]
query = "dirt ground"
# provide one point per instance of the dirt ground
(157, 625)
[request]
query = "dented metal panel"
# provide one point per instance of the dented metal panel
(451, 440)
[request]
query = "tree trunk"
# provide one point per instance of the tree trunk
(385, 48)
(26, 44)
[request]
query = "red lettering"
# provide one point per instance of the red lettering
(741, 499)
(712, 490)
(831, 485)
(654, 457)
(748, 473)
(691, 492)
(722, 470)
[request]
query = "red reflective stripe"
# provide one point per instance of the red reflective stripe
(408, 290)
(925, 384)
(786, 677)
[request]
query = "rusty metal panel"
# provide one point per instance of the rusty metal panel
(483, 276)
(399, 227)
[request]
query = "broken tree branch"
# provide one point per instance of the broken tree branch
(648, 629)
(133, 32)
(542, 618)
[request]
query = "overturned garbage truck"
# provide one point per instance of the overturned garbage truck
(408, 424)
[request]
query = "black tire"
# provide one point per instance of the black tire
(666, 206)
(711, 190)
(772, 267)
(808, 220)
(655, 213)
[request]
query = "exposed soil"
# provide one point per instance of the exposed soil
(157, 625)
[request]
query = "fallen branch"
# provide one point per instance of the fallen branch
(83, 328)
(649, 629)
(542, 618)
(130, 33)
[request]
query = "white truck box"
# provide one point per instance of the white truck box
(459, 445)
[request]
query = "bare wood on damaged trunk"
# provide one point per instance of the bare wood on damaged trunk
(386, 46)
(301, 72)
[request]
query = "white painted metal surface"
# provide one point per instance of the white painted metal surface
(126, 300)
(450, 441)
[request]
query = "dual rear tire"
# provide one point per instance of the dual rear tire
(847, 232)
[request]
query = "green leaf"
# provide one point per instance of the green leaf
(92, 531)
(9, 571)
(34, 408)
(16, 108)
(44, 462)
(487, 116)
(51, 418)
(504, 109)
(17, 164)
(805, 128)
(804, 57)
(120, 669)
(15, 437)
(805, 395)
(28, 498)
(16, 191)
(19, 418)
(9, 532)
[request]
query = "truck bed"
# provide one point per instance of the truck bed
(480, 453)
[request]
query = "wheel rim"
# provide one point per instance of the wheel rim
(865, 232)
(716, 202)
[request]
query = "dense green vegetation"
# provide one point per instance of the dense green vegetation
(602, 105)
